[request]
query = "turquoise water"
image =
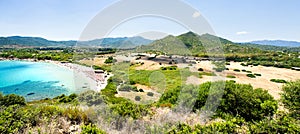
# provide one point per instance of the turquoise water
(36, 80)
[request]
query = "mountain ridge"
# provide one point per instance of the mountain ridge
(283, 43)
(118, 42)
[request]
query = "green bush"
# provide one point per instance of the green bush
(230, 76)
(91, 98)
(278, 81)
(91, 129)
(67, 99)
(281, 124)
(251, 75)
(240, 99)
(237, 70)
(243, 64)
(110, 60)
(127, 108)
(291, 96)
(169, 68)
(128, 88)
(200, 69)
(137, 98)
(150, 94)
(257, 74)
(11, 99)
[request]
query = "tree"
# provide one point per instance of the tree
(110, 60)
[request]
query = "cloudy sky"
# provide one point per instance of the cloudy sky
(235, 20)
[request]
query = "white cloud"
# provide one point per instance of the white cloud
(196, 14)
(242, 33)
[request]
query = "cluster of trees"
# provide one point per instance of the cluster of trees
(237, 100)
(110, 60)
(275, 59)
(262, 116)
(61, 55)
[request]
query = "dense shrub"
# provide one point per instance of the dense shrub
(251, 75)
(150, 94)
(230, 76)
(291, 97)
(91, 129)
(91, 98)
(67, 99)
(13, 120)
(238, 99)
(278, 81)
(11, 99)
(237, 70)
(128, 88)
(257, 74)
(233, 125)
(200, 69)
(169, 68)
(130, 109)
(282, 123)
(110, 60)
(137, 98)
(243, 64)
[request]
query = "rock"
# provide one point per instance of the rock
(30, 93)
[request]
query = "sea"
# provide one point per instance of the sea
(39, 80)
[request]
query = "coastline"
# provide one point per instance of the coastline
(96, 82)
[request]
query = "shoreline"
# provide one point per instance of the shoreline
(96, 82)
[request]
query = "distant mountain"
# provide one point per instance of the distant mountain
(272, 48)
(33, 41)
(125, 42)
(192, 43)
(277, 43)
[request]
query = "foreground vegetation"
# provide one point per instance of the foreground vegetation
(242, 109)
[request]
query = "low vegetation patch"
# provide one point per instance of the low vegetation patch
(207, 73)
(278, 80)
(169, 68)
(237, 70)
(128, 88)
(150, 94)
(257, 74)
(137, 98)
(200, 69)
(251, 75)
(230, 76)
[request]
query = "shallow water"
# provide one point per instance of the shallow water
(37, 80)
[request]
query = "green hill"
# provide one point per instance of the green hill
(192, 44)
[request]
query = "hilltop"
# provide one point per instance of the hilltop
(193, 44)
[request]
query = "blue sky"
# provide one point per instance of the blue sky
(237, 20)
